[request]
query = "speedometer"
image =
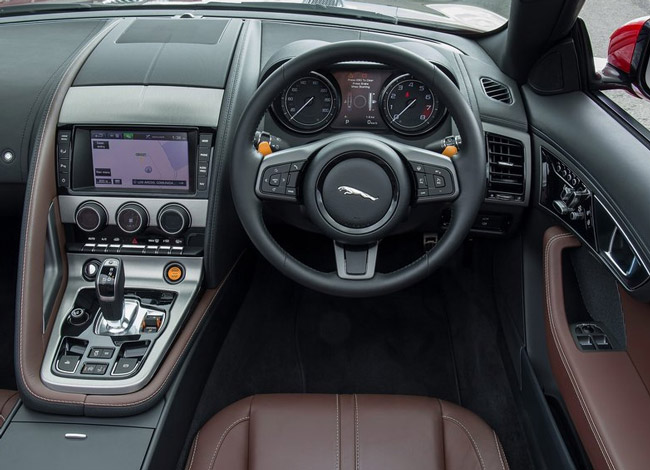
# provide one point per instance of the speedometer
(410, 107)
(309, 104)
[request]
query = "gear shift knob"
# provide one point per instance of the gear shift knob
(109, 285)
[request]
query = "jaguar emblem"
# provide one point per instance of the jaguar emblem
(347, 190)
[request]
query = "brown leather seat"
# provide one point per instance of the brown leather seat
(8, 399)
(341, 432)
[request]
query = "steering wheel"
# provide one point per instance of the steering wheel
(356, 187)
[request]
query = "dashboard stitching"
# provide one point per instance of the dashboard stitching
(562, 354)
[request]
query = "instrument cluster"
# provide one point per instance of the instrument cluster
(353, 98)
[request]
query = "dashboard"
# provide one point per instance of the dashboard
(136, 133)
(354, 98)
(139, 141)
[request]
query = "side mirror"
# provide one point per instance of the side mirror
(627, 59)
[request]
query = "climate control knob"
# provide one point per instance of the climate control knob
(174, 219)
(132, 218)
(91, 217)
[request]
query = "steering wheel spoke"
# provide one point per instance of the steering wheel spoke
(356, 261)
(279, 174)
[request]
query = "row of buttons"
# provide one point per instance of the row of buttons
(135, 240)
(133, 249)
(125, 365)
(432, 180)
(205, 148)
(282, 180)
(566, 174)
(63, 158)
(101, 353)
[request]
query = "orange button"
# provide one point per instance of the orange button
(264, 148)
(450, 151)
(174, 273)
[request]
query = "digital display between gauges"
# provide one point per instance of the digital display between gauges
(308, 105)
(410, 107)
(360, 99)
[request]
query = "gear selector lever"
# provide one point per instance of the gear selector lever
(109, 285)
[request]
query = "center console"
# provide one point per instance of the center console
(133, 203)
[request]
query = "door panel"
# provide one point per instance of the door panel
(613, 164)
(604, 390)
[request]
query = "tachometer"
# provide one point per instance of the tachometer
(308, 105)
(410, 107)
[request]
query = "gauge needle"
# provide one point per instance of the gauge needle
(403, 111)
(303, 107)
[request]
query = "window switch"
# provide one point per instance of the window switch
(68, 363)
(125, 366)
(585, 343)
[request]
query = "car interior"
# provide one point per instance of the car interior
(322, 234)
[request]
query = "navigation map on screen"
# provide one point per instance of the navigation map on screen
(140, 159)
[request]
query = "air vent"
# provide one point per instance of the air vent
(496, 90)
(506, 179)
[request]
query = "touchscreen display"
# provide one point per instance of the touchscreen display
(360, 99)
(140, 160)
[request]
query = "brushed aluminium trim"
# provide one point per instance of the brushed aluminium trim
(142, 104)
(141, 272)
(198, 208)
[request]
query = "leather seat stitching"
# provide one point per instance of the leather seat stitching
(496, 442)
(505, 460)
(223, 437)
(471, 438)
(338, 436)
(196, 443)
(356, 431)
(563, 358)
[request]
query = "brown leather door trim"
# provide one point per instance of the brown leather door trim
(604, 394)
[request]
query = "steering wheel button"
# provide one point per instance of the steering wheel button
(280, 169)
(422, 180)
(274, 180)
(290, 192)
(296, 166)
(293, 179)
(439, 181)
(423, 192)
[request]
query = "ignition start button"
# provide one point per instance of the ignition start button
(174, 273)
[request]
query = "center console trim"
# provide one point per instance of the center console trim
(198, 208)
(140, 273)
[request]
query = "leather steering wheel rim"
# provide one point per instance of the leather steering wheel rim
(469, 164)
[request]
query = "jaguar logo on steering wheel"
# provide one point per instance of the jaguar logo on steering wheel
(347, 190)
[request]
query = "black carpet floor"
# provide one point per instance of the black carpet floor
(439, 338)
